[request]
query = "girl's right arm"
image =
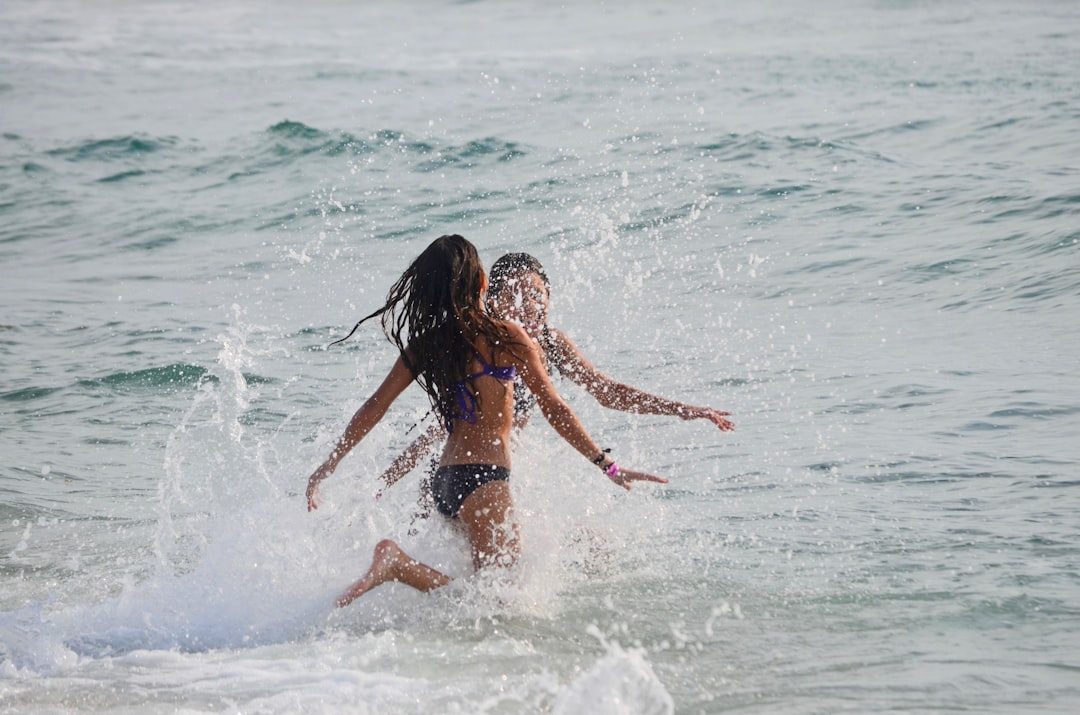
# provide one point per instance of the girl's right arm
(619, 396)
(361, 423)
(407, 460)
(562, 418)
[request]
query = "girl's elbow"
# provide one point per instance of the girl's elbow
(614, 399)
(606, 399)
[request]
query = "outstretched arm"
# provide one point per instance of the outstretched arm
(361, 423)
(618, 396)
(563, 419)
(412, 455)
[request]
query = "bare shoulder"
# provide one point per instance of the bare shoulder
(565, 354)
(518, 344)
(560, 341)
(513, 330)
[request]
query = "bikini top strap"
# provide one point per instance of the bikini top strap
(465, 399)
(499, 373)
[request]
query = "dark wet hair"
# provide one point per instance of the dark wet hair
(434, 316)
(512, 266)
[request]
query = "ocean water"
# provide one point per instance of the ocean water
(854, 225)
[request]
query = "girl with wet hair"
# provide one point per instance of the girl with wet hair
(520, 293)
(465, 360)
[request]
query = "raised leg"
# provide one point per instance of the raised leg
(390, 563)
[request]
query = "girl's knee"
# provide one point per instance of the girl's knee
(386, 547)
(498, 545)
(499, 557)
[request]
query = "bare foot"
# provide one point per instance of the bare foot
(387, 554)
(390, 563)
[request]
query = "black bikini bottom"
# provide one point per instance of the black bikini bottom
(453, 484)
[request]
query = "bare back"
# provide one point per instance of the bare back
(485, 441)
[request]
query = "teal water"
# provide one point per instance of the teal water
(855, 229)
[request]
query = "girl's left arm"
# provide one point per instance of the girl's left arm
(562, 418)
(619, 396)
(412, 455)
(361, 423)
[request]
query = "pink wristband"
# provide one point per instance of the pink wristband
(612, 471)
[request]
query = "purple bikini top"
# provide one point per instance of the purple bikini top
(466, 400)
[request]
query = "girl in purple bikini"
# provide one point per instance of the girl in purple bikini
(520, 293)
(467, 362)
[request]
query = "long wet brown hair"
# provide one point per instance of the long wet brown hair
(435, 317)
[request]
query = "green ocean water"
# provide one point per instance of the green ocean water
(854, 228)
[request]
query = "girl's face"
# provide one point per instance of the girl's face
(523, 300)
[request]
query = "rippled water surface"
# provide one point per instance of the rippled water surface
(854, 228)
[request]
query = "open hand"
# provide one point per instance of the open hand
(313, 486)
(717, 417)
(624, 477)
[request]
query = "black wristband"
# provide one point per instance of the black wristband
(600, 457)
